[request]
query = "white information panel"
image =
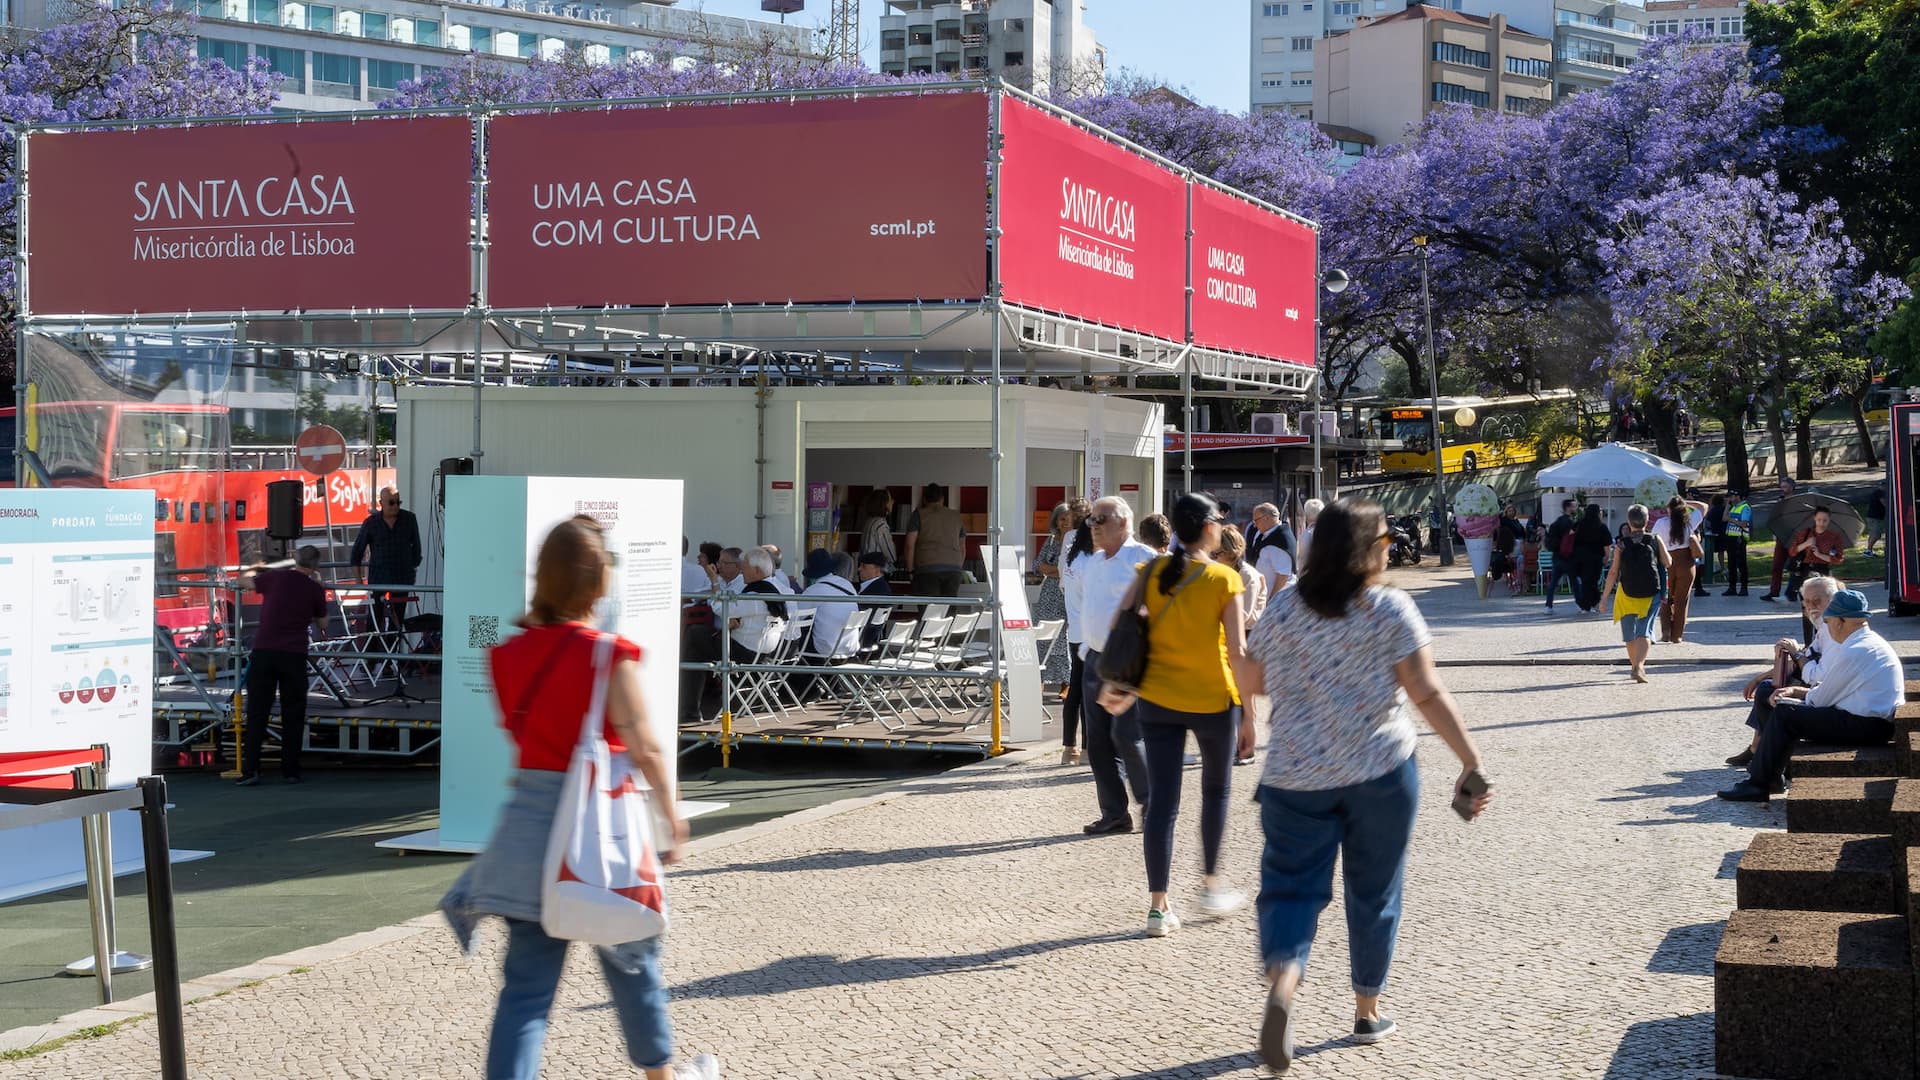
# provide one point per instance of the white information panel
(76, 623)
(494, 528)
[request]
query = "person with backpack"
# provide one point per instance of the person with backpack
(1560, 545)
(1638, 559)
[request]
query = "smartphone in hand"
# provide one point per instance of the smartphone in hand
(1472, 787)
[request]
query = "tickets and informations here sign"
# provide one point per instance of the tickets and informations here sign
(76, 623)
(827, 201)
(1253, 278)
(494, 528)
(251, 217)
(1092, 230)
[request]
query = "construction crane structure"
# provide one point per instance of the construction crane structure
(843, 26)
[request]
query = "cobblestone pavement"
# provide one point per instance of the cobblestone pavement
(964, 928)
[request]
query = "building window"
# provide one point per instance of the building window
(1346, 7)
(1014, 59)
(426, 32)
(320, 19)
(264, 12)
(1273, 44)
(1303, 44)
(212, 9)
(231, 53)
(1538, 69)
(387, 74)
(336, 76)
(1445, 91)
(374, 25)
(1733, 26)
(291, 63)
(1274, 11)
(480, 39)
(1301, 78)
(1272, 82)
(1523, 106)
(1663, 27)
(1448, 52)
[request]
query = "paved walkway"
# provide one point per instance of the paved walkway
(963, 927)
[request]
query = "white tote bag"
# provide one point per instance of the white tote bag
(603, 883)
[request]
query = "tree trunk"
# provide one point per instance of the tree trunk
(1733, 428)
(1803, 446)
(1777, 429)
(1863, 432)
(1666, 433)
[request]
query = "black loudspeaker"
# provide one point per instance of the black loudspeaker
(286, 517)
(453, 466)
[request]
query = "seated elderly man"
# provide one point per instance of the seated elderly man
(1861, 684)
(1793, 664)
(828, 573)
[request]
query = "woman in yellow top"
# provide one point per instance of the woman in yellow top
(1196, 643)
(1639, 562)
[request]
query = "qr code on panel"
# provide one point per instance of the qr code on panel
(483, 631)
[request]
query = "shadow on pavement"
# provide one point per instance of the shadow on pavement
(1700, 786)
(817, 971)
(1198, 1070)
(845, 859)
(1688, 950)
(1673, 1047)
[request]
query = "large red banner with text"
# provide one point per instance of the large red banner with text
(1090, 229)
(875, 199)
(1253, 279)
(260, 217)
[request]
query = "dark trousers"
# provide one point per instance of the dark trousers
(1563, 570)
(1586, 567)
(270, 672)
(699, 644)
(1070, 707)
(936, 583)
(1114, 752)
(1779, 564)
(1782, 725)
(1164, 735)
(1735, 548)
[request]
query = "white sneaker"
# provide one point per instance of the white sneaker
(1161, 923)
(704, 1067)
(1219, 902)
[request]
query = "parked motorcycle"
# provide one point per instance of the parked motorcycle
(1404, 547)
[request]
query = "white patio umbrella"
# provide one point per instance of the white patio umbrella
(1613, 468)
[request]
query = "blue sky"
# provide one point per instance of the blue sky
(1202, 48)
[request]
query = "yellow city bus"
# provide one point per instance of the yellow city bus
(1475, 432)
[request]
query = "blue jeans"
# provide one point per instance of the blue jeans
(533, 966)
(1164, 733)
(1368, 824)
(1563, 571)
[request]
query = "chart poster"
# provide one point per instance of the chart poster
(1092, 230)
(828, 201)
(494, 528)
(252, 217)
(1253, 278)
(76, 623)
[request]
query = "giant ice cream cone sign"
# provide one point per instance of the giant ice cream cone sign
(1653, 493)
(1476, 509)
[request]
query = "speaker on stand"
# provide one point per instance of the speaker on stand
(286, 512)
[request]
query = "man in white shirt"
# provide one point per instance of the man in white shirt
(693, 576)
(756, 624)
(1107, 575)
(1793, 664)
(1270, 548)
(828, 572)
(1861, 683)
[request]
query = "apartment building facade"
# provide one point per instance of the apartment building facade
(1594, 41)
(351, 54)
(1717, 21)
(1284, 35)
(1041, 45)
(1382, 77)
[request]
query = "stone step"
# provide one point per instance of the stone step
(1818, 872)
(1841, 804)
(1814, 995)
(1818, 759)
(1913, 689)
(1911, 741)
(1906, 720)
(1905, 816)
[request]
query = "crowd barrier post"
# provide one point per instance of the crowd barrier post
(996, 749)
(166, 953)
(96, 840)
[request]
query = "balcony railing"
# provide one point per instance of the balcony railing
(349, 91)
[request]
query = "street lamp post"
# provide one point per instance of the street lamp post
(1335, 282)
(1443, 546)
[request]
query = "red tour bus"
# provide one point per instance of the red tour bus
(210, 502)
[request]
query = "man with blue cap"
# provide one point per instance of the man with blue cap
(1861, 684)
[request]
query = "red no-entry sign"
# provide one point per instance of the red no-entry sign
(320, 449)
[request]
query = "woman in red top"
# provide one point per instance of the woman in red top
(544, 680)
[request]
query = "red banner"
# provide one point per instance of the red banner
(832, 201)
(1090, 229)
(260, 217)
(1253, 279)
(1173, 441)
